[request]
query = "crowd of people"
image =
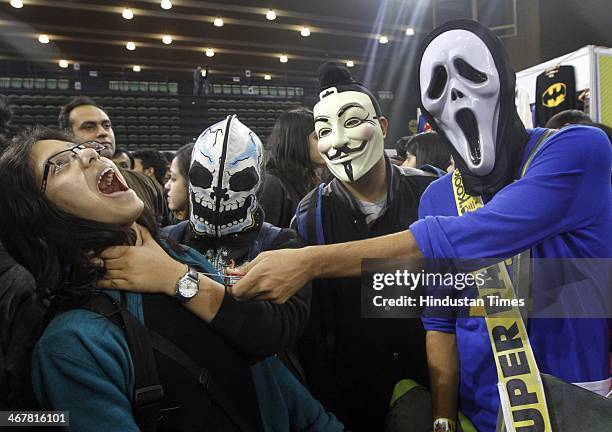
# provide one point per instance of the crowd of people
(241, 260)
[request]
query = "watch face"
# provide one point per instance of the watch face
(187, 287)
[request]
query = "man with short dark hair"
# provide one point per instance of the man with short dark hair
(352, 364)
(84, 120)
(151, 163)
(87, 121)
(123, 158)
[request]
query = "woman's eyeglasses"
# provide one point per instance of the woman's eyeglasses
(62, 159)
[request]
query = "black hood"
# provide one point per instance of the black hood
(511, 133)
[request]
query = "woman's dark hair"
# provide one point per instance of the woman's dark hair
(428, 149)
(52, 244)
(184, 159)
(288, 150)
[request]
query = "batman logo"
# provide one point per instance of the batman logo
(554, 95)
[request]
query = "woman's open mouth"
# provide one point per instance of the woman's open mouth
(110, 183)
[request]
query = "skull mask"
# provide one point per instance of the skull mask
(224, 177)
(466, 88)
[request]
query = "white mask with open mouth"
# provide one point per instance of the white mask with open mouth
(460, 88)
(224, 177)
(350, 136)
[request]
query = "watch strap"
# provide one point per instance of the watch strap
(192, 273)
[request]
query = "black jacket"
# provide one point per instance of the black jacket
(278, 201)
(259, 329)
(351, 363)
(21, 320)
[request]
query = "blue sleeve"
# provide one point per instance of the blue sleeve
(82, 364)
(566, 187)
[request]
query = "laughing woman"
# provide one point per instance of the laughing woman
(61, 205)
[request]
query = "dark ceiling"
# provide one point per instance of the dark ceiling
(93, 32)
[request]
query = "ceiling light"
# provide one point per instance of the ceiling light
(44, 39)
(305, 32)
(127, 13)
(210, 52)
(284, 59)
(167, 39)
(18, 4)
(130, 46)
(136, 68)
(383, 40)
(409, 31)
(63, 64)
(218, 22)
(166, 4)
(271, 15)
(350, 63)
(267, 77)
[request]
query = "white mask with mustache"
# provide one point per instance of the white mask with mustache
(350, 136)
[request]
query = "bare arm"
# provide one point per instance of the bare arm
(276, 275)
(148, 268)
(443, 362)
(344, 259)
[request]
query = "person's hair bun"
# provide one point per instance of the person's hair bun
(332, 74)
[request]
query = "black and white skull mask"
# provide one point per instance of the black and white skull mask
(224, 177)
(460, 89)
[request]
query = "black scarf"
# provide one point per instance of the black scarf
(237, 245)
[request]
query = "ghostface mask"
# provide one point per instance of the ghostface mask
(466, 89)
(347, 125)
(224, 177)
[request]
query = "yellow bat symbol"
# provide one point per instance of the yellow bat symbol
(554, 95)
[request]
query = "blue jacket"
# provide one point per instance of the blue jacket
(82, 364)
(561, 208)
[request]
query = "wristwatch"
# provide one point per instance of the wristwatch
(444, 425)
(187, 286)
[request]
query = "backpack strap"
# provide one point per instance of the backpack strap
(148, 393)
(310, 222)
(267, 235)
(543, 138)
(202, 375)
